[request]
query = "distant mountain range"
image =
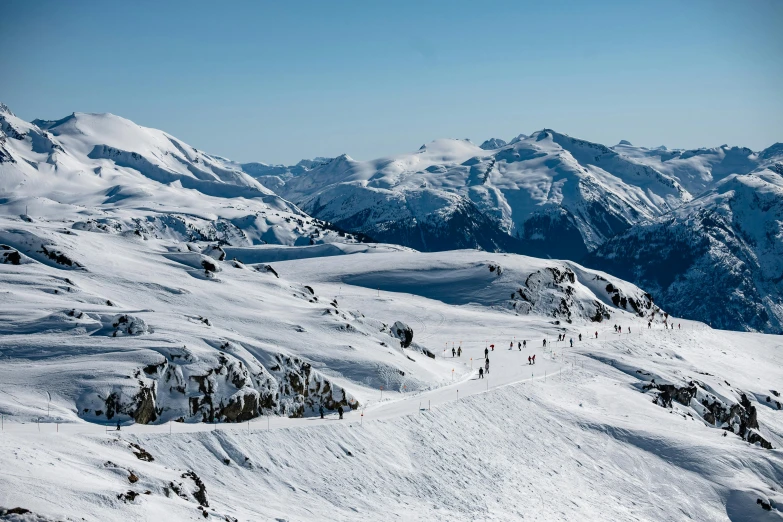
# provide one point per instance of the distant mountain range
(702, 230)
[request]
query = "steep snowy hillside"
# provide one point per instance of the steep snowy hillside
(547, 194)
(719, 259)
(106, 173)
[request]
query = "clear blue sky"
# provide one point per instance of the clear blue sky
(279, 81)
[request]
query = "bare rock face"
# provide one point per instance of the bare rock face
(403, 332)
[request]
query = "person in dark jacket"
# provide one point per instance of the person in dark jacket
(340, 412)
(321, 410)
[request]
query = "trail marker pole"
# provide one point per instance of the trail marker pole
(39, 423)
(169, 427)
(471, 363)
(457, 394)
(267, 423)
(429, 405)
(452, 375)
(381, 392)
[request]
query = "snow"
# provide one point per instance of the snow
(211, 318)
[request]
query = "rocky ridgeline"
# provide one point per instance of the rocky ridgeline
(229, 390)
(551, 292)
(738, 417)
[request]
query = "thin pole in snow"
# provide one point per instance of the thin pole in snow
(457, 394)
(429, 405)
(267, 423)
(169, 427)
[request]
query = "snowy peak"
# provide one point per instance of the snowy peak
(493, 144)
(104, 165)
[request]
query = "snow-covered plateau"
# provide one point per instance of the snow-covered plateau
(171, 330)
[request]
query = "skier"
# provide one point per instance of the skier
(519, 345)
(486, 367)
(572, 342)
(596, 335)
(486, 352)
(544, 343)
(524, 343)
(511, 345)
(459, 351)
(481, 372)
(529, 361)
(580, 337)
(679, 326)
(629, 330)
(534, 358)
(492, 346)
(649, 324)
(321, 410)
(453, 352)
(340, 412)
(118, 425)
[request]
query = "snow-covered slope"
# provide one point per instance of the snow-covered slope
(105, 172)
(171, 330)
(648, 424)
(718, 259)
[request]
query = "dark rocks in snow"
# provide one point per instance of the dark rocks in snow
(266, 268)
(403, 332)
(669, 392)
(56, 255)
(10, 255)
(141, 453)
(125, 324)
(765, 505)
(129, 496)
(740, 418)
(201, 490)
(209, 266)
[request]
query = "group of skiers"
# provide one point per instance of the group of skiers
(618, 329)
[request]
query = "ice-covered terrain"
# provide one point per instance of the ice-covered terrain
(149, 285)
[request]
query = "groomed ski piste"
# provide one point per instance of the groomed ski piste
(655, 424)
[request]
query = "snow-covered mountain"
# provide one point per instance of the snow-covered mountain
(549, 195)
(554, 195)
(105, 172)
(718, 259)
